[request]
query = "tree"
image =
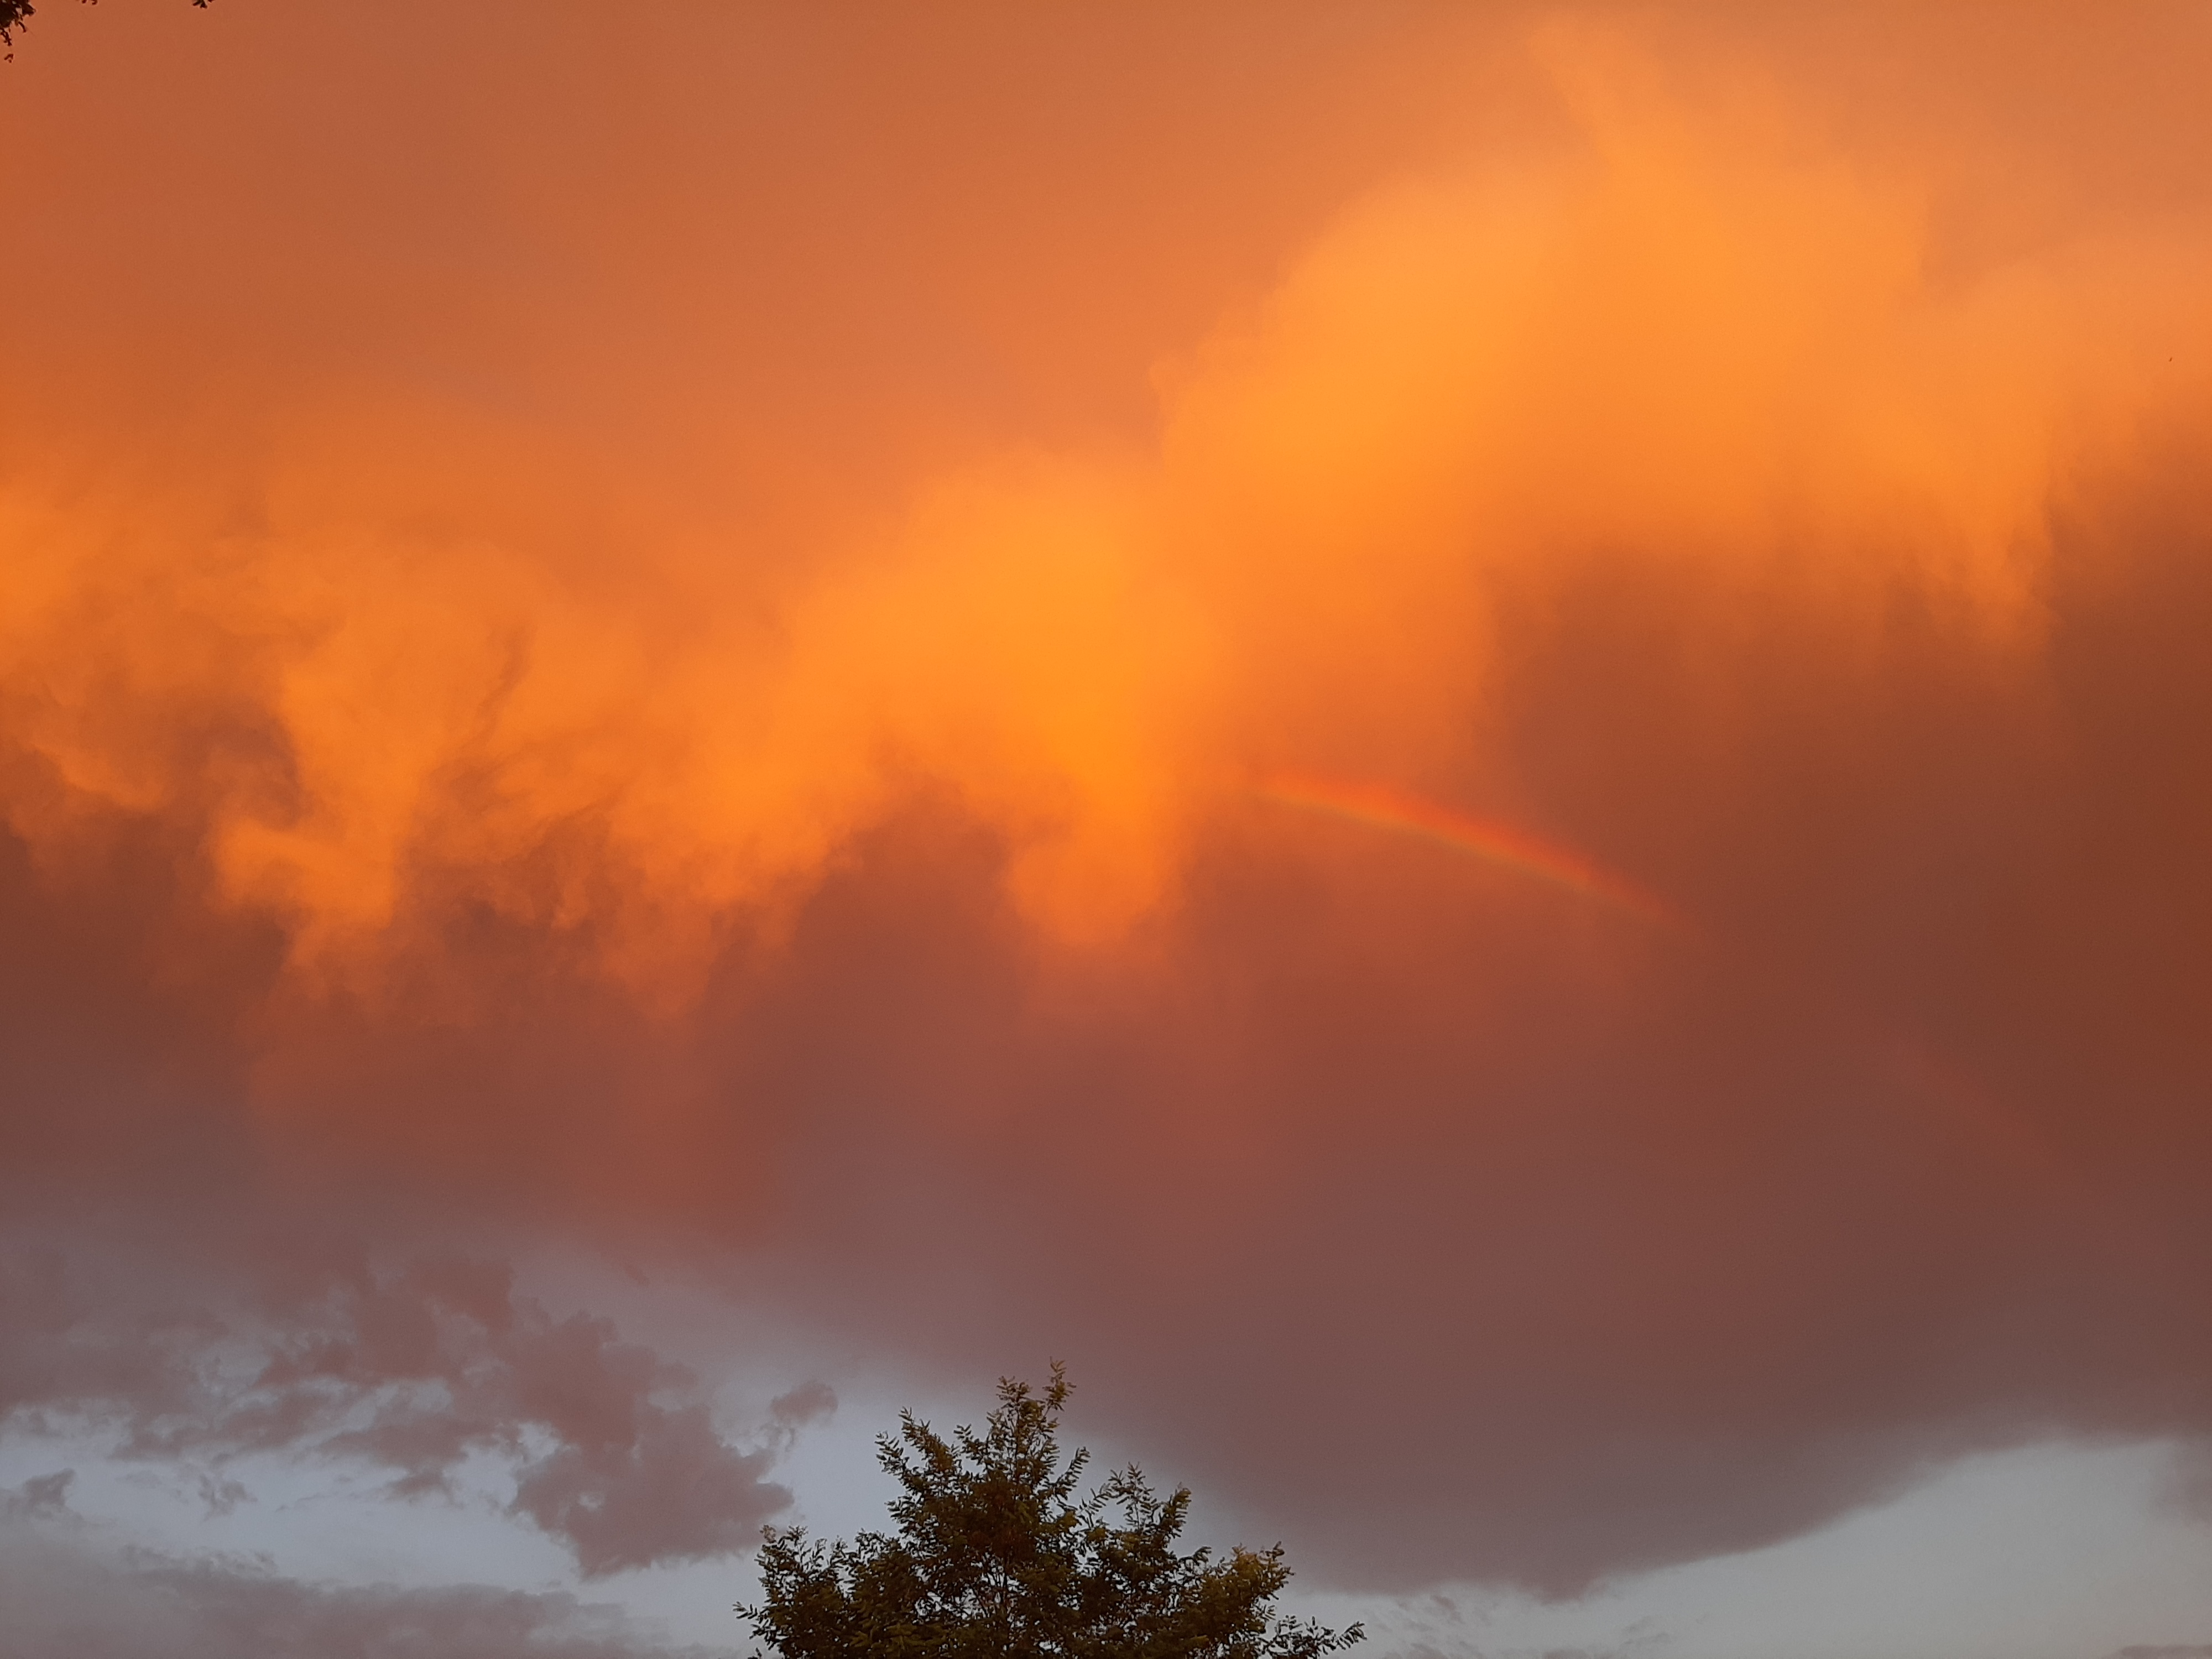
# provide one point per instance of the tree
(13, 14)
(997, 1554)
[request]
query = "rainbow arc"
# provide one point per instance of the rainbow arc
(1493, 842)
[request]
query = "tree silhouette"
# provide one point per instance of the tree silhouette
(13, 14)
(997, 1554)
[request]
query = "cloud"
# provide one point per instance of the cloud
(617, 1454)
(41, 1495)
(68, 1594)
(694, 662)
(811, 1401)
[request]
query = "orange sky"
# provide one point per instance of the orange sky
(675, 628)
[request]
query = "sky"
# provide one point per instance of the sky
(1466, 742)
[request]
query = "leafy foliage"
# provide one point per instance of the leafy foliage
(998, 1553)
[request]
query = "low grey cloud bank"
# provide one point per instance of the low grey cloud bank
(70, 1595)
(411, 1372)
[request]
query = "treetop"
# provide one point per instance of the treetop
(997, 1552)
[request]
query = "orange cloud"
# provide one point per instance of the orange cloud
(694, 663)
(1690, 336)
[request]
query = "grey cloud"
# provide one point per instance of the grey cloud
(672, 1491)
(74, 1340)
(45, 1494)
(810, 1401)
(410, 1372)
(68, 1598)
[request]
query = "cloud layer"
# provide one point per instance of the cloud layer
(69, 1594)
(616, 1454)
(698, 645)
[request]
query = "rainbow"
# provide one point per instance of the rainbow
(1920, 1072)
(1378, 807)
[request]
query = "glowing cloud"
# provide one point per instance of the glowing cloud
(639, 629)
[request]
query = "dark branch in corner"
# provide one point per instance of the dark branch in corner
(14, 13)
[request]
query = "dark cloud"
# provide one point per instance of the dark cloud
(811, 1401)
(616, 1452)
(68, 1595)
(41, 1495)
